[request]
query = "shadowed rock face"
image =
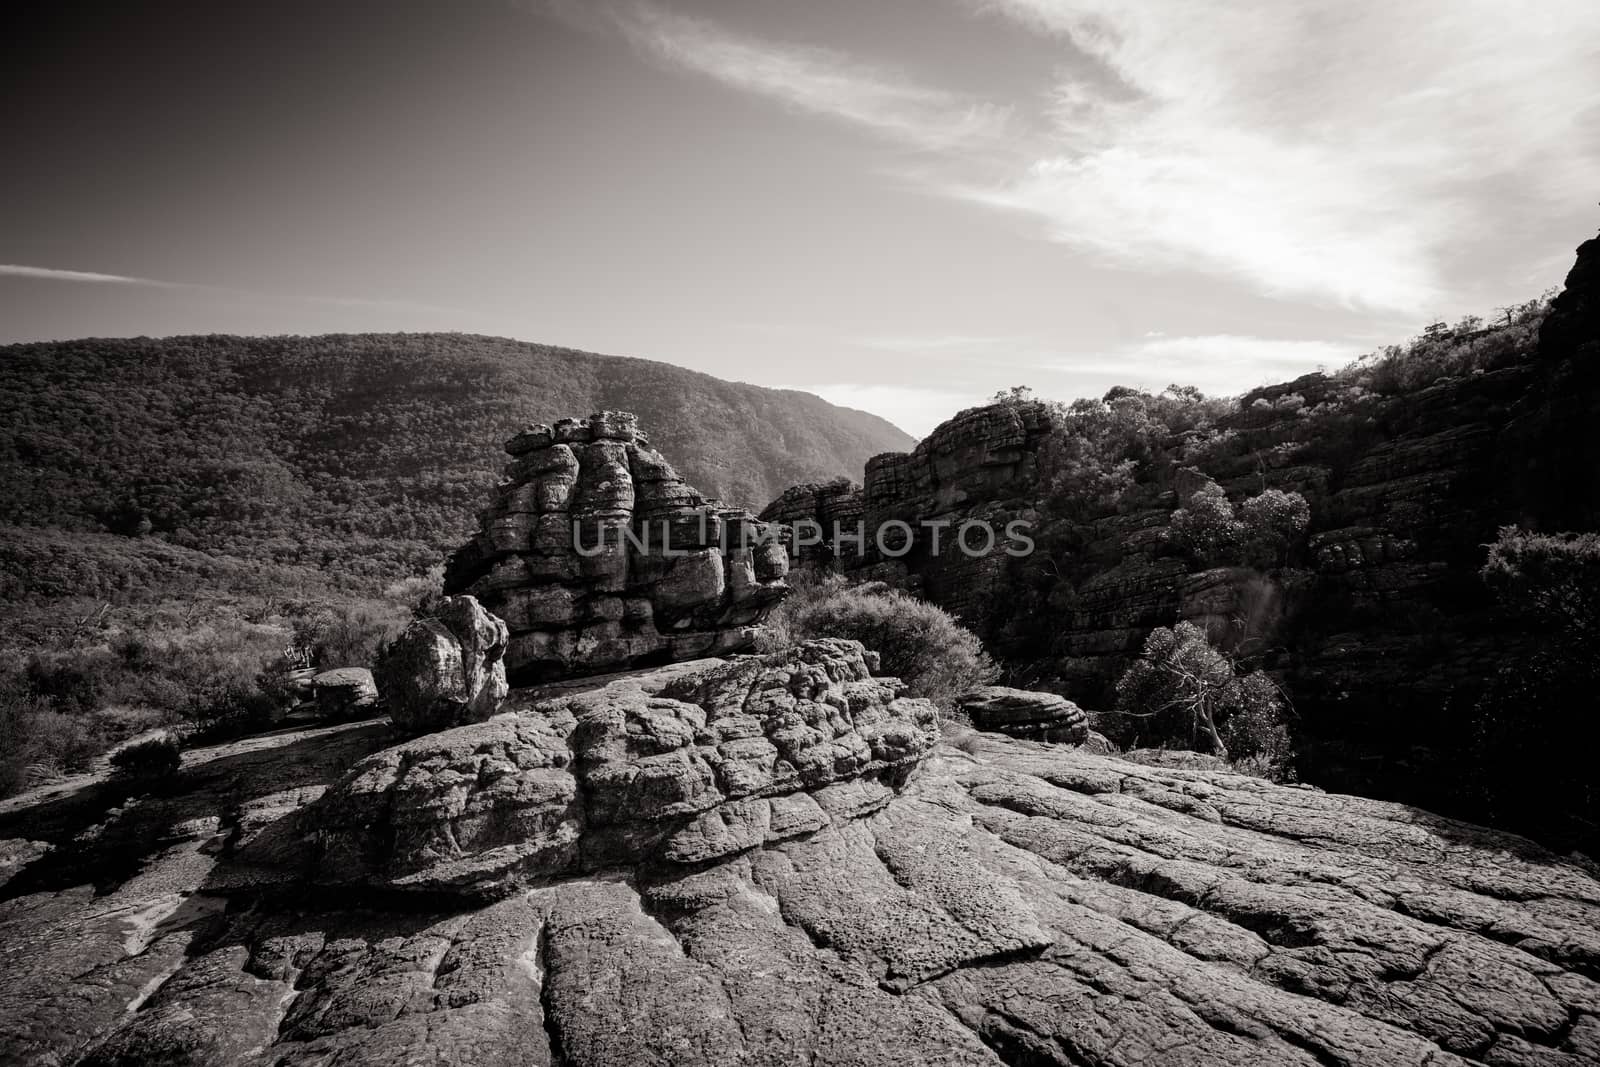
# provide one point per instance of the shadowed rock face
(1013, 903)
(599, 557)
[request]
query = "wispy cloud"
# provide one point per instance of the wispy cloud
(17, 270)
(1336, 148)
(815, 80)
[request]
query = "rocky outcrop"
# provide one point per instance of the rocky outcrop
(980, 467)
(599, 557)
(1013, 903)
(343, 691)
(680, 765)
(447, 669)
(1378, 622)
(1024, 713)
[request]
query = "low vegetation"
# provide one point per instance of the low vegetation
(919, 643)
(148, 759)
(213, 670)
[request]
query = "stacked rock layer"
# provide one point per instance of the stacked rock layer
(599, 557)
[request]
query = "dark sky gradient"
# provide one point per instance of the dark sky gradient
(745, 188)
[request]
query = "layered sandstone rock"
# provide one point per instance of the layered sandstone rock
(978, 470)
(1014, 903)
(599, 557)
(447, 669)
(1024, 713)
(679, 765)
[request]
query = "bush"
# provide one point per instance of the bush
(1184, 693)
(1554, 577)
(343, 637)
(1206, 528)
(1272, 522)
(1533, 729)
(919, 643)
(153, 758)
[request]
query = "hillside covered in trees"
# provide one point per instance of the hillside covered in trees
(360, 455)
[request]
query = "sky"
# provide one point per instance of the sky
(900, 205)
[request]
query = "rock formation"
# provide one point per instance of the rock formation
(1011, 904)
(446, 669)
(1381, 625)
(599, 557)
(1024, 713)
(679, 765)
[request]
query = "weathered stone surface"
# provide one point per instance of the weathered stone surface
(1013, 903)
(683, 765)
(447, 669)
(1025, 713)
(343, 691)
(599, 557)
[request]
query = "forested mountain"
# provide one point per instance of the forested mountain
(362, 455)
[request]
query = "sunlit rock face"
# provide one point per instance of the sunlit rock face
(600, 558)
(681, 764)
(849, 899)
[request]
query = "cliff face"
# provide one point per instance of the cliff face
(1379, 621)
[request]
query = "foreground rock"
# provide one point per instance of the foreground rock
(599, 557)
(445, 670)
(1014, 903)
(1025, 713)
(681, 765)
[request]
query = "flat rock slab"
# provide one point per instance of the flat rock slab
(1014, 903)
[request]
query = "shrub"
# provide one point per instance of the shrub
(919, 643)
(1555, 577)
(1272, 522)
(1533, 729)
(152, 758)
(1206, 528)
(1184, 693)
(343, 637)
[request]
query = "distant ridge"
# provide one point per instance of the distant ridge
(361, 454)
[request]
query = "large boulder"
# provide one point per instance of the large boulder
(447, 669)
(343, 691)
(600, 558)
(678, 765)
(1024, 713)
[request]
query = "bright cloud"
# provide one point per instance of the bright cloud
(1332, 148)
